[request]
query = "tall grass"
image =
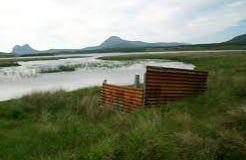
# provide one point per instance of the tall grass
(8, 64)
(61, 68)
(70, 125)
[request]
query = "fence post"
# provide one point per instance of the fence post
(144, 90)
(102, 93)
(137, 81)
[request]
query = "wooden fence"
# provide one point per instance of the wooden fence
(161, 85)
(123, 98)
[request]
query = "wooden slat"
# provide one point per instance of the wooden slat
(174, 90)
(175, 78)
(120, 97)
(116, 96)
(175, 87)
(130, 97)
(123, 93)
(176, 83)
(170, 92)
(164, 98)
(122, 87)
(173, 94)
(175, 75)
(178, 74)
(167, 84)
(162, 85)
(175, 70)
(120, 101)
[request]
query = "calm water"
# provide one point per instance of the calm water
(18, 81)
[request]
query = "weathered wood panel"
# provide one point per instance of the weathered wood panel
(122, 98)
(163, 85)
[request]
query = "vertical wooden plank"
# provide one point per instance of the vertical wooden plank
(164, 85)
(137, 81)
(144, 91)
(123, 98)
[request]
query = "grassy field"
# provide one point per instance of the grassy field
(5, 55)
(69, 125)
(8, 64)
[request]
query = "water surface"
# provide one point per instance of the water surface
(18, 81)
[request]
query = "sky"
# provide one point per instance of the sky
(46, 24)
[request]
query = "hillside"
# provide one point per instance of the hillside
(70, 125)
(117, 42)
(238, 39)
(112, 44)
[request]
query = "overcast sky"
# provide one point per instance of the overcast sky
(46, 24)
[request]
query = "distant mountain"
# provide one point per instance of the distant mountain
(25, 49)
(238, 39)
(117, 42)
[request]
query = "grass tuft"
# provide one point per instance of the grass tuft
(70, 125)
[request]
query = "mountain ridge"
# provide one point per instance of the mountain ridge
(238, 39)
(117, 44)
(23, 49)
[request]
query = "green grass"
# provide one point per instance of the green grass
(38, 55)
(5, 63)
(6, 55)
(61, 68)
(108, 65)
(71, 68)
(70, 125)
(8, 64)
